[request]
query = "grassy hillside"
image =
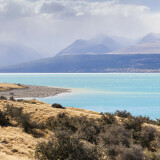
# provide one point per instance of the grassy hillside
(31, 129)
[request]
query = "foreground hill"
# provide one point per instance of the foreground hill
(11, 53)
(31, 129)
(90, 63)
(15, 144)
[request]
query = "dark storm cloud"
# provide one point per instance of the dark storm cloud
(57, 9)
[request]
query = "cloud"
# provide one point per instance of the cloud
(57, 9)
(84, 8)
(14, 9)
(50, 25)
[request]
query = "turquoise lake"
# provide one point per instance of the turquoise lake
(136, 93)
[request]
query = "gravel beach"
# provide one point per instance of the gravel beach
(33, 92)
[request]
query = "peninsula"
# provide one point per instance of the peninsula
(29, 91)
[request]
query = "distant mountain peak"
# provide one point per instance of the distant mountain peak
(97, 45)
(12, 53)
(150, 38)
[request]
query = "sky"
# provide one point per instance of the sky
(50, 25)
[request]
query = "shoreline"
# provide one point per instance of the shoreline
(31, 91)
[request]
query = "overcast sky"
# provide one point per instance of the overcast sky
(50, 25)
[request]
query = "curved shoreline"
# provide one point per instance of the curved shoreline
(33, 91)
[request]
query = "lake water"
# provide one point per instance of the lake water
(136, 93)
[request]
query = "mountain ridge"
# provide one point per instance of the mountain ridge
(99, 45)
(142, 57)
(12, 53)
(90, 64)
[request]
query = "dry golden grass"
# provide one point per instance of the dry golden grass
(17, 145)
(41, 111)
(9, 86)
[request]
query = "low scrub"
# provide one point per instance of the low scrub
(4, 121)
(82, 138)
(63, 147)
(122, 114)
(104, 138)
(3, 98)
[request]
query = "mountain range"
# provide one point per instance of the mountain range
(12, 53)
(99, 54)
(98, 45)
(150, 44)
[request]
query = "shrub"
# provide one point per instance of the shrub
(134, 123)
(61, 122)
(115, 135)
(158, 122)
(118, 152)
(108, 118)
(112, 151)
(55, 105)
(123, 114)
(3, 98)
(12, 98)
(22, 119)
(86, 128)
(156, 156)
(133, 153)
(104, 138)
(146, 136)
(89, 129)
(3, 120)
(64, 147)
(147, 120)
(12, 111)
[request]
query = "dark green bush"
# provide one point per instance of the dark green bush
(3, 120)
(123, 114)
(147, 120)
(61, 122)
(87, 128)
(12, 111)
(56, 105)
(134, 123)
(108, 118)
(3, 98)
(23, 119)
(12, 98)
